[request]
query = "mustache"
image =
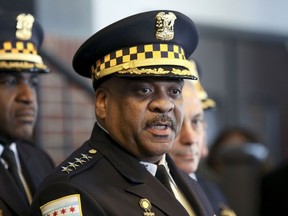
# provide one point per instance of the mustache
(162, 120)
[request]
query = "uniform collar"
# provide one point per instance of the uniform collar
(117, 155)
(99, 125)
(152, 168)
(193, 176)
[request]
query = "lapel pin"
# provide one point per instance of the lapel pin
(146, 205)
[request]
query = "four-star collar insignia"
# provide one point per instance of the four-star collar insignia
(78, 161)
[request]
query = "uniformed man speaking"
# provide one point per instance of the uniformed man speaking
(137, 66)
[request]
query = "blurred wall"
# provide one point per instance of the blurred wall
(246, 74)
(86, 17)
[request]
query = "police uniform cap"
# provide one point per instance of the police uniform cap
(153, 43)
(20, 39)
(207, 102)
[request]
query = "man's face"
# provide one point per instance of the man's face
(143, 116)
(186, 151)
(18, 105)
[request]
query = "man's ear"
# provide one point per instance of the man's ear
(101, 103)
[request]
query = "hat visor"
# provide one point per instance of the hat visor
(166, 71)
(23, 66)
(159, 72)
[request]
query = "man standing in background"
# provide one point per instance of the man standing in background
(190, 146)
(22, 165)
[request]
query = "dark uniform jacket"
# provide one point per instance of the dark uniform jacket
(36, 165)
(101, 178)
(215, 196)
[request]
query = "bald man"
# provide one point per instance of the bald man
(190, 146)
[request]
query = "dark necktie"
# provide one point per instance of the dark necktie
(10, 158)
(163, 177)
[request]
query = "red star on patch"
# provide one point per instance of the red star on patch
(72, 209)
(55, 213)
(63, 211)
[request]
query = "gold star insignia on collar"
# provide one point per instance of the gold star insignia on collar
(78, 161)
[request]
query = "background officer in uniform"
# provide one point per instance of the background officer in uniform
(137, 65)
(22, 165)
(190, 145)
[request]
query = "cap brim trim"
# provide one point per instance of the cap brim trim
(23, 65)
(132, 67)
(21, 57)
(147, 72)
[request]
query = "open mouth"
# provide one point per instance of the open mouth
(160, 129)
(161, 125)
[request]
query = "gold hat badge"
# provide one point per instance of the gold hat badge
(165, 26)
(24, 26)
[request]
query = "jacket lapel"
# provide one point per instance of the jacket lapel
(191, 190)
(144, 185)
(27, 168)
(152, 190)
(8, 192)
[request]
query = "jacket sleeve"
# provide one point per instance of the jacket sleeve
(64, 198)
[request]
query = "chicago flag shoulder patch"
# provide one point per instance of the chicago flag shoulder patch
(64, 206)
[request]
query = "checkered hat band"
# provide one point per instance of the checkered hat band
(18, 47)
(140, 52)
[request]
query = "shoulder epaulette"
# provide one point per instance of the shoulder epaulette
(79, 161)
